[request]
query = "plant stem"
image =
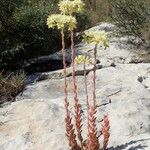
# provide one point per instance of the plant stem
(94, 77)
(105, 131)
(93, 143)
(69, 127)
(64, 65)
(77, 106)
(85, 84)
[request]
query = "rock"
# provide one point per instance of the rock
(35, 121)
(59, 74)
(107, 27)
(31, 124)
(121, 50)
(43, 65)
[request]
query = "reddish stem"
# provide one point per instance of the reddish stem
(85, 84)
(77, 106)
(105, 131)
(69, 127)
(93, 143)
(64, 64)
(94, 77)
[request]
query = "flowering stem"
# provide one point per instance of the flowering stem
(69, 127)
(94, 77)
(93, 143)
(85, 84)
(77, 107)
(64, 64)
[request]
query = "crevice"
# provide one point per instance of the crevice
(60, 75)
(140, 79)
(104, 104)
(114, 93)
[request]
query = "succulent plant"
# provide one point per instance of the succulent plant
(62, 21)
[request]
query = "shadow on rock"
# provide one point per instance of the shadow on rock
(129, 146)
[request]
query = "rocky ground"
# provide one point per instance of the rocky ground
(36, 120)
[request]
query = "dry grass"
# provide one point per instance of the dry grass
(10, 86)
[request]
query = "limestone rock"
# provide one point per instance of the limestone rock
(35, 121)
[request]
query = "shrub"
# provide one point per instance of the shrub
(145, 32)
(10, 86)
(24, 34)
(132, 16)
(84, 21)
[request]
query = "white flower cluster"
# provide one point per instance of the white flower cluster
(96, 37)
(65, 20)
(83, 59)
(68, 7)
(61, 21)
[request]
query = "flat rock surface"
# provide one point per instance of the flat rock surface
(36, 120)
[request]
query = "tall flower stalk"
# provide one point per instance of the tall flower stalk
(62, 21)
(94, 38)
(85, 85)
(94, 77)
(77, 106)
(85, 60)
(93, 142)
(68, 8)
(69, 127)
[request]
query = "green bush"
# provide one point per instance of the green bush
(24, 33)
(132, 16)
(83, 20)
(145, 32)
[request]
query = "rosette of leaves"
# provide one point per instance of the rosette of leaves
(68, 7)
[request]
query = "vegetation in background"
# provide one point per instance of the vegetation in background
(132, 17)
(24, 34)
(98, 10)
(10, 86)
(66, 20)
